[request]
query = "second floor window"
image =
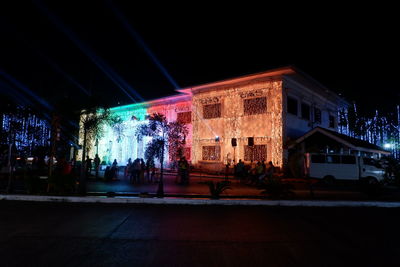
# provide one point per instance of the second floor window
(184, 117)
(317, 115)
(292, 105)
(305, 111)
(212, 111)
(255, 105)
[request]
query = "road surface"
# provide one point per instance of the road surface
(66, 234)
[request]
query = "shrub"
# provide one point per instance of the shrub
(275, 188)
(217, 188)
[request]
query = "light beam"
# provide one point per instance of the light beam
(99, 62)
(141, 42)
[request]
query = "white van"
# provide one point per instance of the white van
(343, 167)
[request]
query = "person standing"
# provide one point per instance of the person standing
(240, 170)
(128, 168)
(114, 169)
(88, 166)
(270, 170)
(183, 170)
(96, 165)
(142, 170)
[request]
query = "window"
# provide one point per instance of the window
(305, 111)
(212, 111)
(333, 159)
(372, 162)
(348, 160)
(255, 153)
(292, 105)
(186, 153)
(317, 115)
(331, 121)
(184, 117)
(369, 161)
(255, 105)
(318, 158)
(211, 153)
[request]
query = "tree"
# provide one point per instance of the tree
(163, 135)
(379, 129)
(13, 132)
(177, 132)
(118, 127)
(92, 121)
(157, 128)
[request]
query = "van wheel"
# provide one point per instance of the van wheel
(329, 180)
(372, 181)
(372, 186)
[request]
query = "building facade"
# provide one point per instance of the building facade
(251, 118)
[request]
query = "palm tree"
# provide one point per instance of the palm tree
(163, 134)
(157, 128)
(92, 121)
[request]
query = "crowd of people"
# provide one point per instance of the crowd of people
(139, 171)
(255, 173)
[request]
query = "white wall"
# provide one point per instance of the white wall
(297, 126)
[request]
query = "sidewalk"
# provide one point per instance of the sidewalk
(223, 202)
(195, 189)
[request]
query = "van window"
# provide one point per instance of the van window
(372, 162)
(318, 158)
(369, 161)
(348, 160)
(333, 159)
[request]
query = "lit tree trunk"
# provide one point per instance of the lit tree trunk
(160, 191)
(97, 153)
(82, 183)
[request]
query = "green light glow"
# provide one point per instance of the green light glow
(120, 142)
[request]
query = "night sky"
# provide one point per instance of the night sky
(54, 47)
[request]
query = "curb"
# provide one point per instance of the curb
(175, 201)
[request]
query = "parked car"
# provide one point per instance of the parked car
(330, 167)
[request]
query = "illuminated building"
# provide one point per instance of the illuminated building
(250, 118)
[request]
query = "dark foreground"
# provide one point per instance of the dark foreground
(56, 234)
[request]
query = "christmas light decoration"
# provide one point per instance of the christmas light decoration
(24, 129)
(213, 118)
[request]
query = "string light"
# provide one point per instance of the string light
(30, 131)
(250, 110)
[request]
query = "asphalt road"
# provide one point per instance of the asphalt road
(65, 234)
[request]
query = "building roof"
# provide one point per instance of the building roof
(351, 142)
(274, 73)
(290, 72)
